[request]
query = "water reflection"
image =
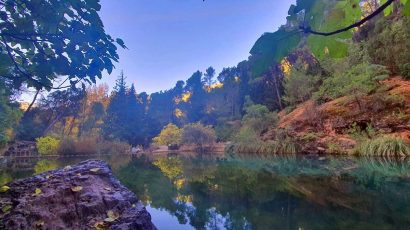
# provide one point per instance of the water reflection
(272, 192)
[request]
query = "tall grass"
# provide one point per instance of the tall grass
(260, 147)
(383, 146)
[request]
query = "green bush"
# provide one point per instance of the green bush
(258, 118)
(357, 81)
(47, 145)
(383, 146)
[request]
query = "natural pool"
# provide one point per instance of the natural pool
(264, 192)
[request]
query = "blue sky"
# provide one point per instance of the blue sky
(168, 40)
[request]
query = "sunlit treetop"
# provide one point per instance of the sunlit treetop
(43, 41)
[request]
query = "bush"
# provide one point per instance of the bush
(170, 135)
(357, 81)
(113, 147)
(299, 87)
(198, 135)
(258, 118)
(383, 146)
(86, 146)
(47, 145)
(67, 146)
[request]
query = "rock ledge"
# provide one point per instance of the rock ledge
(84, 196)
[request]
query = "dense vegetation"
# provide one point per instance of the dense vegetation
(286, 69)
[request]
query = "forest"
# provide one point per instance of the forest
(256, 106)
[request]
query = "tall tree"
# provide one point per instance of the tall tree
(115, 120)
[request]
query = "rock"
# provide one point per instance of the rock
(85, 196)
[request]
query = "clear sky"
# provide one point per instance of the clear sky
(168, 40)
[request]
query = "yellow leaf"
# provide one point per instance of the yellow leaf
(76, 188)
(100, 225)
(95, 169)
(4, 188)
(112, 215)
(6, 209)
(67, 167)
(37, 192)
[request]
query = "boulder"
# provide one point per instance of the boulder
(84, 196)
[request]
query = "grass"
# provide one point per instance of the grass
(284, 146)
(383, 146)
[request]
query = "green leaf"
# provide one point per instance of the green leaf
(4, 188)
(406, 9)
(121, 43)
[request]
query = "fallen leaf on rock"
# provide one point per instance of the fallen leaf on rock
(6, 209)
(95, 169)
(39, 223)
(100, 225)
(76, 188)
(67, 167)
(112, 216)
(4, 188)
(37, 192)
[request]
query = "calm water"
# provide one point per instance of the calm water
(239, 192)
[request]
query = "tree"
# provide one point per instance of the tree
(198, 135)
(134, 118)
(195, 87)
(208, 78)
(170, 135)
(41, 41)
(9, 114)
(115, 123)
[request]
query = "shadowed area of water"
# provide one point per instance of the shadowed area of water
(249, 192)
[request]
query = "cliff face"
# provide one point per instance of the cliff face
(327, 128)
(85, 196)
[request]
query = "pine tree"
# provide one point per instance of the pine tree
(115, 122)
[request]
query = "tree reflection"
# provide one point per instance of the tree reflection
(273, 192)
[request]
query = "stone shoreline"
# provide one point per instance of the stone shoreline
(84, 196)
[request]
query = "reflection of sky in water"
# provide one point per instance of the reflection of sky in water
(163, 220)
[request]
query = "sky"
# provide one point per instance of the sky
(168, 40)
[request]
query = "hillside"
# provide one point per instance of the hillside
(333, 127)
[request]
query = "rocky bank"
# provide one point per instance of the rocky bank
(84, 196)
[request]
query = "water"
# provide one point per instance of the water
(243, 192)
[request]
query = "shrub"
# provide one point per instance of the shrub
(357, 81)
(299, 87)
(113, 147)
(258, 118)
(383, 146)
(47, 145)
(86, 146)
(198, 135)
(170, 135)
(67, 146)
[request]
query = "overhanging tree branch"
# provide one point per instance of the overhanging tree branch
(308, 30)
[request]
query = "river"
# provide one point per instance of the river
(256, 192)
